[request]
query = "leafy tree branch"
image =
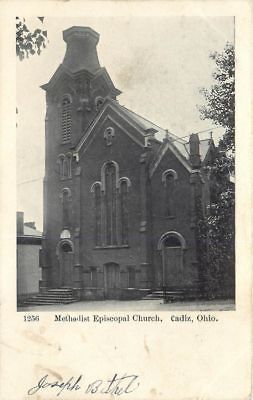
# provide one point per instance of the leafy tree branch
(29, 42)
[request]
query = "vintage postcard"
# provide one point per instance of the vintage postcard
(126, 196)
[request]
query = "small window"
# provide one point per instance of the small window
(98, 102)
(109, 135)
(131, 277)
(93, 276)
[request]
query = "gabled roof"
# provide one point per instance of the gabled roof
(103, 113)
(168, 144)
(176, 144)
(145, 128)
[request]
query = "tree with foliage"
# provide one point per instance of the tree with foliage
(217, 228)
(29, 42)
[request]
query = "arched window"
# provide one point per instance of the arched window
(168, 178)
(69, 165)
(66, 247)
(66, 207)
(111, 207)
(109, 135)
(60, 165)
(110, 204)
(98, 102)
(64, 166)
(171, 241)
(97, 195)
(123, 188)
(66, 121)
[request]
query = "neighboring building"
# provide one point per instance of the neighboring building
(28, 249)
(120, 207)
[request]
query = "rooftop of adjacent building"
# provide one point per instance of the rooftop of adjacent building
(26, 228)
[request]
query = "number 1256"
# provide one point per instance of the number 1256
(31, 318)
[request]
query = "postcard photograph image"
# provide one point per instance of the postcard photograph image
(121, 196)
(126, 200)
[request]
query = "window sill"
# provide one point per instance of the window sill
(121, 246)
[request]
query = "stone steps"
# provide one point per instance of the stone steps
(51, 296)
(174, 294)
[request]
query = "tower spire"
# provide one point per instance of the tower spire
(81, 53)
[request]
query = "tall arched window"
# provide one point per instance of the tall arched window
(69, 165)
(66, 207)
(111, 207)
(97, 196)
(60, 165)
(110, 204)
(124, 210)
(66, 121)
(169, 177)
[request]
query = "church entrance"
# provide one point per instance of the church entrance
(112, 280)
(66, 263)
(173, 266)
(172, 245)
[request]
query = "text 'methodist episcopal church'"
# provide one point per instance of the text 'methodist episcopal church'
(120, 206)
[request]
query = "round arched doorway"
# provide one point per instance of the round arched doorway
(172, 245)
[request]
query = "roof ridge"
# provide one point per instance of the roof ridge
(182, 141)
(138, 115)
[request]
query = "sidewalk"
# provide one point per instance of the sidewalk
(136, 305)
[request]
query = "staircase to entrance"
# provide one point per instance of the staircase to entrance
(173, 294)
(52, 296)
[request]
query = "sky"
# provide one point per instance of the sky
(159, 64)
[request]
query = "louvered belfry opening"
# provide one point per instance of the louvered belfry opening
(66, 120)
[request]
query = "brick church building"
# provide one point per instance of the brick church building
(120, 206)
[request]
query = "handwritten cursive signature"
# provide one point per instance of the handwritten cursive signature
(118, 385)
